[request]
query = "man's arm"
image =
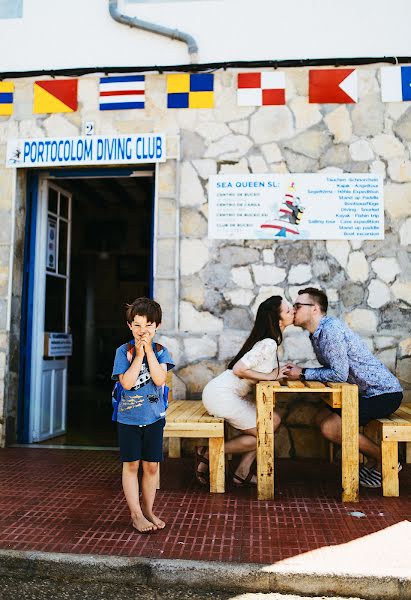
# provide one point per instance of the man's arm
(335, 352)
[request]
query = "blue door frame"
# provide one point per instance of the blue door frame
(26, 329)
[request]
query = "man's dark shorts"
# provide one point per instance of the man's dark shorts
(141, 443)
(376, 407)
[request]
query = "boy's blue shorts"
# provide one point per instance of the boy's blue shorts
(376, 407)
(141, 443)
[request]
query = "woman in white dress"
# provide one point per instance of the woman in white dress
(229, 395)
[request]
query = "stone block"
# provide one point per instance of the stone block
(306, 115)
(192, 223)
(237, 318)
(386, 268)
(238, 255)
(299, 274)
(378, 294)
(404, 369)
(297, 345)
(257, 164)
(198, 348)
(361, 150)
(387, 146)
(191, 190)
(212, 131)
(205, 167)
(397, 199)
(368, 117)
(336, 156)
(192, 144)
(387, 357)
(399, 169)
(194, 255)
(402, 127)
(196, 376)
(312, 143)
(241, 127)
(271, 152)
(282, 444)
(268, 274)
(165, 294)
(402, 291)
(166, 256)
(268, 256)
(192, 290)
(166, 216)
(264, 293)
(230, 343)
(339, 124)
(271, 124)
(404, 348)
(57, 125)
(362, 321)
(192, 320)
(173, 346)
(405, 233)
(242, 277)
(241, 297)
(357, 267)
(382, 342)
(231, 147)
(340, 250)
(167, 178)
(307, 442)
(298, 163)
(216, 275)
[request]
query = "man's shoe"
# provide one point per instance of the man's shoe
(370, 477)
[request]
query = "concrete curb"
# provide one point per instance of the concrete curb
(206, 575)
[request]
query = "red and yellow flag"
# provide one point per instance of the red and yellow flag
(55, 96)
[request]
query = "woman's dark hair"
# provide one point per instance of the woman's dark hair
(266, 325)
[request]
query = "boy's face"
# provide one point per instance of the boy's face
(140, 326)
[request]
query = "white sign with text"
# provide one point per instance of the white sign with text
(296, 206)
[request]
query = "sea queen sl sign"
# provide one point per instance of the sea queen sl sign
(296, 206)
(86, 150)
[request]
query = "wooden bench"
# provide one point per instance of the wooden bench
(395, 428)
(337, 395)
(189, 419)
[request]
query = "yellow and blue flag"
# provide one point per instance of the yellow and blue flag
(190, 90)
(6, 98)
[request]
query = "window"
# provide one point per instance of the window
(11, 9)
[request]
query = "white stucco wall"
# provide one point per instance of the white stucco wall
(74, 33)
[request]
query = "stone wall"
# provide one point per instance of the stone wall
(210, 289)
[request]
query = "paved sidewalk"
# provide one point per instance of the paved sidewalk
(67, 507)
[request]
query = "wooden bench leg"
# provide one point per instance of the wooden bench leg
(408, 452)
(390, 481)
(217, 465)
(174, 447)
(349, 448)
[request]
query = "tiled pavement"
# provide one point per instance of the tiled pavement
(71, 501)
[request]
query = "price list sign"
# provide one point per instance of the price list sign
(296, 206)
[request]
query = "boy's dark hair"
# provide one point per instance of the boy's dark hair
(318, 296)
(144, 307)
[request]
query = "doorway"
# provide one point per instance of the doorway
(93, 255)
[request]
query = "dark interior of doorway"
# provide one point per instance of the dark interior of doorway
(112, 225)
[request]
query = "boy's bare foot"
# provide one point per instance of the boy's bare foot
(159, 523)
(142, 524)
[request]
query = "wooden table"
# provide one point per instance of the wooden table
(337, 395)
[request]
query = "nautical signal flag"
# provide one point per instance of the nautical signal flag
(261, 89)
(190, 90)
(6, 98)
(55, 96)
(395, 84)
(119, 93)
(333, 86)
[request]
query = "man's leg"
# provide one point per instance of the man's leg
(330, 426)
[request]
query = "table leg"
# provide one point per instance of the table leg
(349, 445)
(265, 399)
(217, 465)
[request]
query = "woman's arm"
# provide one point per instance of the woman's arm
(241, 370)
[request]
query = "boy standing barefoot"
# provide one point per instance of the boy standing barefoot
(141, 368)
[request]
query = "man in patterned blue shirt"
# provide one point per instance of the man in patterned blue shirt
(345, 357)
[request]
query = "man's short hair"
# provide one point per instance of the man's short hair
(144, 307)
(318, 296)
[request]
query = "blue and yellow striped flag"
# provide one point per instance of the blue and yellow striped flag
(6, 98)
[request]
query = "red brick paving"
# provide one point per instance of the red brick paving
(71, 501)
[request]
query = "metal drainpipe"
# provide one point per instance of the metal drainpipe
(174, 34)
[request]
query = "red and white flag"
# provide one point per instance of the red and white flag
(334, 86)
(261, 89)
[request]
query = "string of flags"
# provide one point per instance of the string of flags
(196, 90)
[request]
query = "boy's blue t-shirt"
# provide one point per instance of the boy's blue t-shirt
(143, 404)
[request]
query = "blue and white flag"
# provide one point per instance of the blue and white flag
(119, 93)
(395, 84)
